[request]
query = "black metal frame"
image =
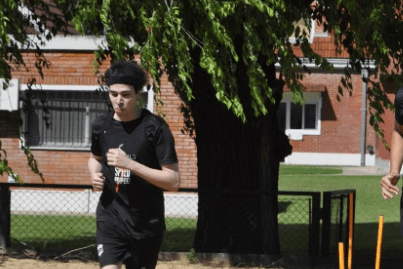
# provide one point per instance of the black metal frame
(330, 197)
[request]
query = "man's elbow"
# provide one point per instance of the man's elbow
(175, 184)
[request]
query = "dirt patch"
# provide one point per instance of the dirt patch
(13, 263)
(28, 259)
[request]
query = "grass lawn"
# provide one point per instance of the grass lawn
(369, 206)
(179, 235)
(52, 232)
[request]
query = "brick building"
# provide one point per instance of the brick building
(334, 121)
(325, 131)
(62, 151)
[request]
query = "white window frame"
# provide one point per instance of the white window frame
(9, 97)
(46, 87)
(310, 98)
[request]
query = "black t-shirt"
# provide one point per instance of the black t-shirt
(399, 106)
(139, 204)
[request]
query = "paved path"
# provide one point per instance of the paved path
(368, 170)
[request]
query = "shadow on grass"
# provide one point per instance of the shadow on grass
(178, 240)
(283, 206)
(364, 248)
(294, 243)
(294, 239)
(365, 240)
(82, 246)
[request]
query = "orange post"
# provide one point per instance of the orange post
(350, 231)
(341, 255)
(379, 243)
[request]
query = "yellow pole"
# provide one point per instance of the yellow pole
(350, 232)
(379, 243)
(341, 255)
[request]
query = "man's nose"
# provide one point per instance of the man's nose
(119, 99)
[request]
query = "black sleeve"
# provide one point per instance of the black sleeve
(165, 145)
(399, 106)
(96, 129)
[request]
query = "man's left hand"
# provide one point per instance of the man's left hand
(117, 158)
(388, 184)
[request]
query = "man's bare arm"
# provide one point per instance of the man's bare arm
(166, 179)
(396, 149)
(390, 180)
(95, 168)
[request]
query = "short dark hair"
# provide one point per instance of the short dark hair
(126, 72)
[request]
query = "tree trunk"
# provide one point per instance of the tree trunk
(235, 160)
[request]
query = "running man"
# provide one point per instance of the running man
(389, 181)
(132, 161)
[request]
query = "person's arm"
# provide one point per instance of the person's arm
(389, 181)
(95, 168)
(167, 178)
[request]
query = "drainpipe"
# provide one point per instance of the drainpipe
(365, 78)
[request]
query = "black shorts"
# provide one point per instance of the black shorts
(115, 246)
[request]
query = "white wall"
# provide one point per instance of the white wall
(342, 159)
(85, 202)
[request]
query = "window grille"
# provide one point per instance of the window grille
(70, 115)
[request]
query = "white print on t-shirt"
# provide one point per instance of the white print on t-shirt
(123, 175)
(100, 249)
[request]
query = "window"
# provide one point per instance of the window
(296, 120)
(303, 27)
(72, 109)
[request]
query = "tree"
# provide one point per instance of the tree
(223, 69)
(220, 56)
(25, 24)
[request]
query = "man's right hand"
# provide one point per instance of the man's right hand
(388, 184)
(98, 180)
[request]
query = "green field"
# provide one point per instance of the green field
(369, 206)
(70, 232)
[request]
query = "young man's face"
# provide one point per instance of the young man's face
(124, 101)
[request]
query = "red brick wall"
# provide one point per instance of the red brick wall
(185, 146)
(388, 125)
(66, 68)
(341, 118)
(70, 167)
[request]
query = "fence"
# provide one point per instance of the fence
(60, 220)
